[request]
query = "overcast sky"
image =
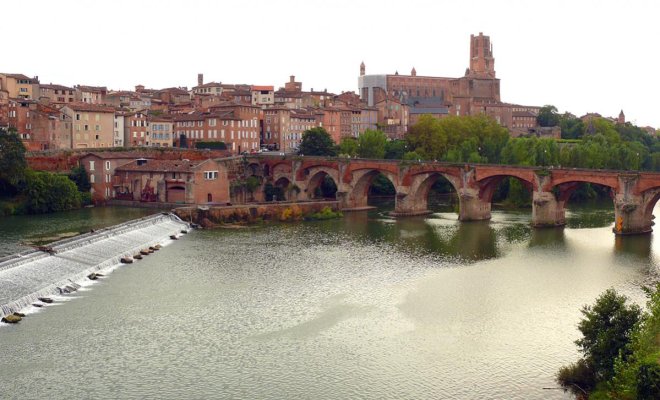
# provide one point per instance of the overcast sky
(582, 56)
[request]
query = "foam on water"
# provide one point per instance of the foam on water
(26, 277)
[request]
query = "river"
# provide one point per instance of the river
(362, 307)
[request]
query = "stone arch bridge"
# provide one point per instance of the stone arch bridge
(634, 193)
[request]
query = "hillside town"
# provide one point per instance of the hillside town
(251, 117)
(237, 119)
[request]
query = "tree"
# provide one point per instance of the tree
(348, 147)
(606, 328)
(47, 192)
(79, 176)
(548, 116)
(317, 142)
(426, 138)
(372, 144)
(395, 149)
(12, 161)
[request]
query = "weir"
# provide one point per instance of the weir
(25, 277)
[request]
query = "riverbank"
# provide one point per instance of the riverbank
(209, 216)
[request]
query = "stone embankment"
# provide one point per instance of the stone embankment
(210, 216)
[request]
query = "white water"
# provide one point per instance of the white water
(26, 277)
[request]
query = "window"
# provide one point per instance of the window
(91, 177)
(108, 178)
(86, 127)
(210, 175)
(97, 128)
(91, 165)
(77, 117)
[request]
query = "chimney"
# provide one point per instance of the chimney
(200, 79)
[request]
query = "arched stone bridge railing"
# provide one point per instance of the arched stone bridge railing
(634, 193)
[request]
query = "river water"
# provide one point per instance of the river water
(363, 307)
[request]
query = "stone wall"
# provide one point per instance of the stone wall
(250, 213)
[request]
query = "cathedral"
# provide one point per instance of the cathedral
(477, 92)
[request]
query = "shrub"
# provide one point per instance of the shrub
(211, 145)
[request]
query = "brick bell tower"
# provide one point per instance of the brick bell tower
(482, 62)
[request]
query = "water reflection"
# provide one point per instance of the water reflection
(547, 237)
(637, 245)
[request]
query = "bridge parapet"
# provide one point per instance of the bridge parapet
(634, 193)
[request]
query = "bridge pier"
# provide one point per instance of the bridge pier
(630, 216)
(471, 206)
(407, 206)
(547, 211)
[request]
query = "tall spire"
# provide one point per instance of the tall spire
(362, 69)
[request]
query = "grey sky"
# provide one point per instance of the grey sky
(582, 56)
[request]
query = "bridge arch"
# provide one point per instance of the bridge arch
(650, 198)
(488, 185)
(316, 177)
(416, 200)
(357, 192)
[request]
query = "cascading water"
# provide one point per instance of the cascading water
(26, 277)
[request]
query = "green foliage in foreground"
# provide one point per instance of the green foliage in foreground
(47, 192)
(621, 348)
(325, 213)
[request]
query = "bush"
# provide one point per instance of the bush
(211, 145)
(47, 192)
(578, 378)
(325, 213)
(648, 381)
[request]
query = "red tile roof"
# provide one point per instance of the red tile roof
(163, 166)
(90, 107)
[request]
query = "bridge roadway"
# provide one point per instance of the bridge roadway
(634, 193)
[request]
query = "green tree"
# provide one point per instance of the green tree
(47, 192)
(317, 142)
(372, 144)
(426, 138)
(395, 149)
(475, 138)
(548, 116)
(12, 162)
(79, 176)
(606, 328)
(348, 146)
(571, 127)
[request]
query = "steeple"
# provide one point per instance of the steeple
(622, 118)
(482, 62)
(362, 69)
(413, 72)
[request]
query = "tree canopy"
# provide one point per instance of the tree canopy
(462, 139)
(317, 142)
(12, 161)
(606, 329)
(371, 144)
(548, 116)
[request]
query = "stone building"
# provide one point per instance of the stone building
(477, 92)
(19, 86)
(56, 94)
(93, 125)
(100, 167)
(173, 181)
(40, 126)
